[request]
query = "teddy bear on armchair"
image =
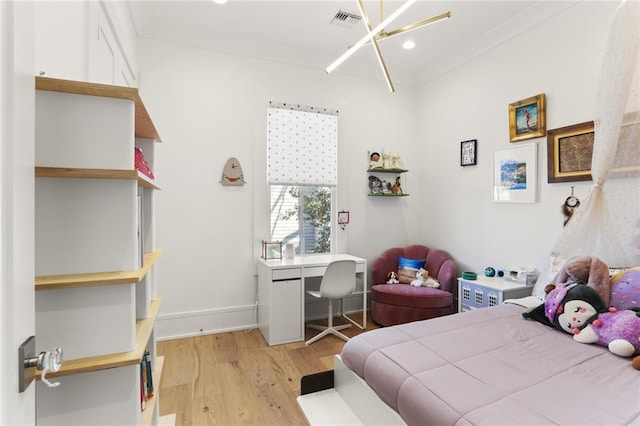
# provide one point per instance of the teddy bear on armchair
(424, 280)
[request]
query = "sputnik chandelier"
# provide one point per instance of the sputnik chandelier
(374, 35)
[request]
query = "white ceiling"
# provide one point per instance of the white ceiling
(299, 31)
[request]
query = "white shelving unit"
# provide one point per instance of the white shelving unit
(95, 289)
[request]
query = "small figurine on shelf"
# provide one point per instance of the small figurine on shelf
(397, 189)
(396, 163)
(386, 161)
(376, 161)
(386, 187)
(375, 185)
(391, 161)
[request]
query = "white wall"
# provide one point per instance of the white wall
(561, 58)
(209, 106)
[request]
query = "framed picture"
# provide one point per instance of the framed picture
(527, 118)
(343, 218)
(468, 150)
(569, 151)
(514, 174)
(271, 250)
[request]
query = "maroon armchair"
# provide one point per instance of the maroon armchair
(393, 304)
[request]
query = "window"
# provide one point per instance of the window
(302, 173)
(302, 215)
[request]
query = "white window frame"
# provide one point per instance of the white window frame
(332, 226)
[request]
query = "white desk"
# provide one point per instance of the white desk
(281, 290)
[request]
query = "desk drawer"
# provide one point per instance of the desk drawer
(318, 271)
(314, 271)
(285, 274)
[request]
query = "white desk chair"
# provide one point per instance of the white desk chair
(338, 281)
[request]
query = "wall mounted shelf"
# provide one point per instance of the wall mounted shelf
(396, 171)
(386, 192)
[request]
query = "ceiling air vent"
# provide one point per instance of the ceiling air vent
(346, 19)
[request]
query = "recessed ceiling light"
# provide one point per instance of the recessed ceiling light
(408, 44)
(220, 1)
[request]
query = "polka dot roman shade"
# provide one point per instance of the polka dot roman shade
(302, 145)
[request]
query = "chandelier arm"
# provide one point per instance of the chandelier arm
(376, 48)
(415, 25)
(383, 35)
(368, 36)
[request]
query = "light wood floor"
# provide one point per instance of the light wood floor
(236, 379)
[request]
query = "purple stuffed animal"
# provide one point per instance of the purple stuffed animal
(618, 330)
(579, 310)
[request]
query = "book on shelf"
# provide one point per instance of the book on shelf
(146, 380)
(140, 230)
(143, 399)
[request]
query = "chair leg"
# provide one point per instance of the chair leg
(323, 327)
(330, 329)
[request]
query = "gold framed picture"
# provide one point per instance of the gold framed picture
(527, 118)
(569, 152)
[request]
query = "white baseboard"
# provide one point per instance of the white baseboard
(220, 320)
(210, 321)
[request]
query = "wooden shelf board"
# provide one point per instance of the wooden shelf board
(144, 125)
(381, 170)
(147, 414)
(146, 182)
(79, 173)
(144, 327)
(56, 282)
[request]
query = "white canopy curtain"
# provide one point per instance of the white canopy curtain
(302, 145)
(607, 225)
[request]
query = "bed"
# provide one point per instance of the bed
(491, 366)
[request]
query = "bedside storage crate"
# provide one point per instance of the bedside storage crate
(488, 291)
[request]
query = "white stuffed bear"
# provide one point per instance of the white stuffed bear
(424, 280)
(396, 163)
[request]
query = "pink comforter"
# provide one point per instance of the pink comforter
(491, 366)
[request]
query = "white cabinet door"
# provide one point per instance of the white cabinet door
(286, 311)
(103, 48)
(61, 34)
(107, 63)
